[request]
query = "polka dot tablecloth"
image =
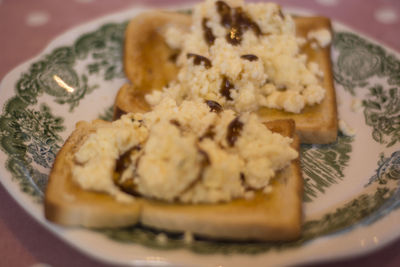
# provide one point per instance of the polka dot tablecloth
(26, 27)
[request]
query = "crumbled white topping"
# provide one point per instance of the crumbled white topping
(322, 36)
(346, 129)
(187, 154)
(162, 239)
(97, 157)
(279, 78)
(356, 105)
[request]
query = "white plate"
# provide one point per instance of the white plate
(351, 187)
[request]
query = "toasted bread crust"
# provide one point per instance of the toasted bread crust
(67, 204)
(148, 60)
(129, 100)
(276, 216)
(316, 124)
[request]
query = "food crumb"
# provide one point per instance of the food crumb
(188, 237)
(267, 189)
(346, 129)
(249, 195)
(162, 239)
(356, 105)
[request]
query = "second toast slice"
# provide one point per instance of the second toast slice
(316, 124)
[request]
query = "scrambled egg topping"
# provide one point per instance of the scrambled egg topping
(195, 152)
(243, 57)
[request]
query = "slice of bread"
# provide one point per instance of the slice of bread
(273, 216)
(148, 66)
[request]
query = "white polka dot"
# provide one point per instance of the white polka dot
(84, 1)
(37, 18)
(386, 15)
(327, 2)
(40, 264)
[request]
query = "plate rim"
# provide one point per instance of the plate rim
(95, 23)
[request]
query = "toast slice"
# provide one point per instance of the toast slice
(274, 216)
(149, 67)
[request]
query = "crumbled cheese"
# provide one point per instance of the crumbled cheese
(314, 45)
(162, 238)
(322, 36)
(356, 105)
(188, 237)
(97, 157)
(267, 189)
(346, 129)
(276, 75)
(249, 195)
(188, 153)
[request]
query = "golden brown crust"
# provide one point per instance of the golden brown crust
(316, 124)
(148, 60)
(276, 216)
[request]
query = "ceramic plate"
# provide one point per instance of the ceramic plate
(351, 187)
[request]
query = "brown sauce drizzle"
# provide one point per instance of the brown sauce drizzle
(129, 186)
(204, 163)
(243, 21)
(249, 57)
(174, 56)
(225, 11)
(123, 162)
(214, 106)
(236, 21)
(234, 129)
(208, 34)
(242, 178)
(206, 159)
(175, 122)
(208, 134)
(197, 60)
(226, 87)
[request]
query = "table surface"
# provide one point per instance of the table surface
(27, 26)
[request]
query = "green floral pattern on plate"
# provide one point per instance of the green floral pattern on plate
(358, 62)
(363, 209)
(30, 132)
(323, 165)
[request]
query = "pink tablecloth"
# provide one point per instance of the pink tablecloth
(26, 27)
